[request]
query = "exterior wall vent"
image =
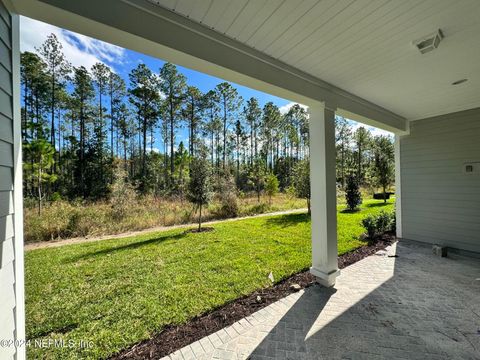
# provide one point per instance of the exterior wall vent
(429, 42)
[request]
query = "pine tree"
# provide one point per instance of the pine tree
(271, 118)
(253, 113)
(362, 138)
(101, 74)
(384, 163)
(192, 114)
(353, 196)
(42, 154)
(58, 69)
(343, 135)
(117, 93)
(83, 94)
(229, 103)
(145, 98)
(172, 85)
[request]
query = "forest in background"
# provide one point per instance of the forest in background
(90, 136)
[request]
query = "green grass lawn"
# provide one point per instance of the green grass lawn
(120, 291)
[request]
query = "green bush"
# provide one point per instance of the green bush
(379, 224)
(353, 197)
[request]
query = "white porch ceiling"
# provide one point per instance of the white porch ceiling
(362, 46)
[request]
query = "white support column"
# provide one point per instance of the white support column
(323, 194)
(398, 187)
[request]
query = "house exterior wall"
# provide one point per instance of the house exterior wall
(440, 201)
(11, 235)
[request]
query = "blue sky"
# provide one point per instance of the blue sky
(83, 50)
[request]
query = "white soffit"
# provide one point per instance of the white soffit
(362, 46)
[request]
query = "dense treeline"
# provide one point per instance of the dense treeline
(82, 127)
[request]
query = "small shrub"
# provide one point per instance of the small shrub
(122, 194)
(227, 197)
(301, 181)
(379, 224)
(257, 209)
(271, 186)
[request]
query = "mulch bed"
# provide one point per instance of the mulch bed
(174, 337)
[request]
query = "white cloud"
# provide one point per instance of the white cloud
(79, 49)
(153, 150)
(373, 130)
(284, 109)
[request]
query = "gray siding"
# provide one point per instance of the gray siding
(7, 256)
(441, 203)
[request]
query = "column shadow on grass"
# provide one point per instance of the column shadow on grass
(287, 220)
(135, 245)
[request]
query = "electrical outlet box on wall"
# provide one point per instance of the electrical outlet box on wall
(471, 167)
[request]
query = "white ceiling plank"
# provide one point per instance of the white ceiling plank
(234, 9)
(286, 15)
(199, 9)
(307, 23)
(215, 13)
(344, 45)
(297, 43)
(258, 19)
(345, 36)
(341, 19)
(389, 38)
(243, 20)
(384, 61)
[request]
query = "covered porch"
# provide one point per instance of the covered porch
(357, 59)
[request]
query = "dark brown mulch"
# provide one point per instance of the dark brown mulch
(174, 337)
(196, 230)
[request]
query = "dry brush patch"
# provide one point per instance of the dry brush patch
(63, 220)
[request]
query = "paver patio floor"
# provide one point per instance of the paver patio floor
(412, 306)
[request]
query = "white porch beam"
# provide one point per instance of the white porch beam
(323, 194)
(144, 27)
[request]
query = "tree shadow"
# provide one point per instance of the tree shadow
(131, 246)
(379, 204)
(288, 220)
(348, 211)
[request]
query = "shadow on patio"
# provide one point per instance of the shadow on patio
(414, 306)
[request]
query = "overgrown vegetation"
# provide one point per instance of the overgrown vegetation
(120, 291)
(64, 219)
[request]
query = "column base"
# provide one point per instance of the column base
(325, 279)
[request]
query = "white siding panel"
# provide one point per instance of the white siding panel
(6, 103)
(7, 295)
(441, 203)
(5, 80)
(6, 178)
(7, 253)
(6, 203)
(6, 227)
(6, 154)
(6, 129)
